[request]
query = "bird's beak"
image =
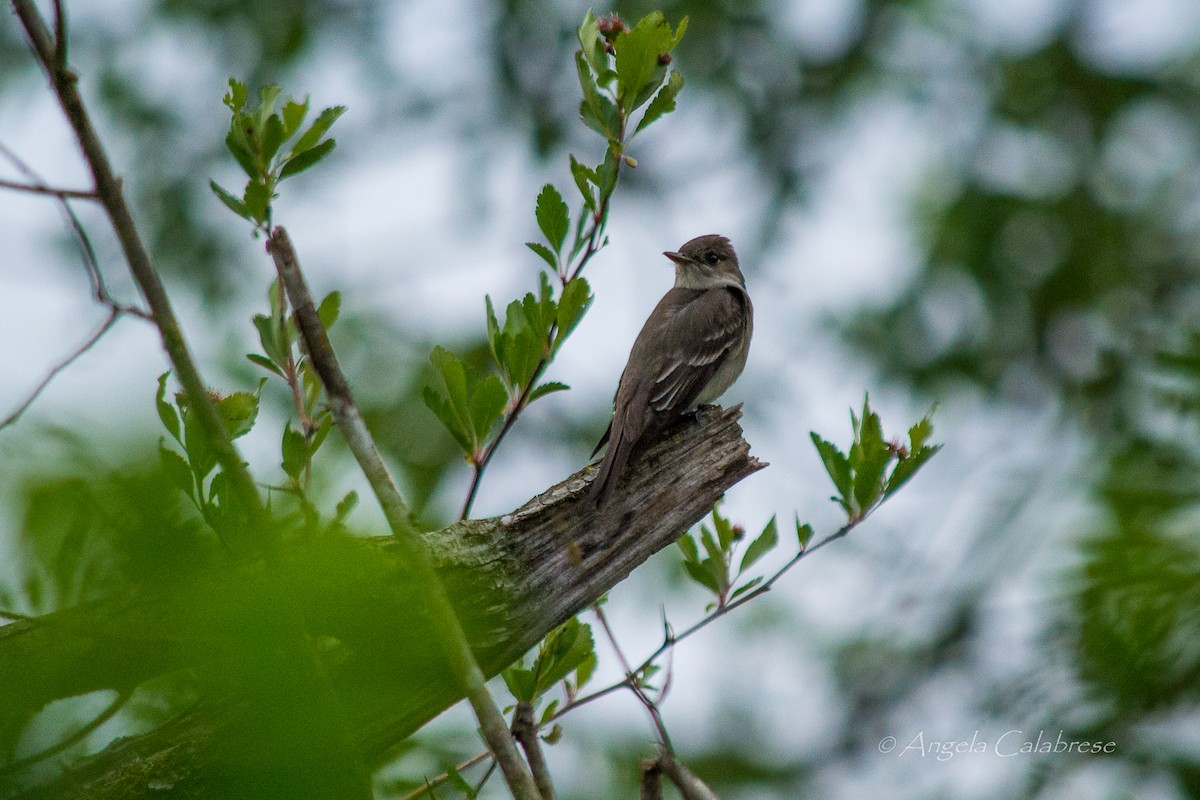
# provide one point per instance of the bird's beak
(678, 258)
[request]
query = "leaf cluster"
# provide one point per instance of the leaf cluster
(270, 146)
(874, 468)
(568, 656)
(710, 556)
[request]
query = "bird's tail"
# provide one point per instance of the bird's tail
(610, 471)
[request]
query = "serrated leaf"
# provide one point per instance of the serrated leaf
(637, 56)
(177, 470)
(166, 411)
(575, 301)
(257, 198)
(919, 434)
(453, 375)
(545, 252)
(346, 505)
(585, 670)
(320, 126)
(663, 102)
(232, 202)
(442, 409)
(238, 411)
(306, 158)
(293, 117)
(330, 309)
(596, 110)
(235, 98)
(724, 530)
(763, 544)
(546, 388)
(268, 96)
(838, 467)
(295, 452)
(553, 216)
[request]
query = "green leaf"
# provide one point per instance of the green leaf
(236, 144)
(725, 531)
(488, 399)
(449, 418)
(272, 137)
(575, 301)
(166, 411)
(268, 96)
(265, 363)
(597, 111)
(238, 411)
(258, 197)
(546, 388)
(270, 337)
(637, 56)
(687, 546)
(346, 505)
(584, 178)
(177, 470)
(545, 252)
(745, 587)
(453, 374)
(701, 574)
(231, 201)
(235, 98)
(295, 452)
(521, 683)
(459, 782)
(804, 533)
(324, 426)
(320, 126)
(306, 158)
(563, 651)
(330, 309)
(585, 670)
(553, 216)
(664, 101)
(763, 544)
(293, 116)
(919, 434)
(838, 467)
(592, 43)
(869, 458)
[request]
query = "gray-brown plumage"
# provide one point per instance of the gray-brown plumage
(691, 349)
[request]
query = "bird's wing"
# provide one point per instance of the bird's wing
(689, 362)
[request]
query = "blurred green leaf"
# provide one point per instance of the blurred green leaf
(553, 216)
(295, 452)
(166, 411)
(238, 411)
(320, 126)
(547, 388)
(234, 204)
(330, 309)
(177, 470)
(838, 467)
(304, 159)
(763, 544)
(575, 301)
(664, 101)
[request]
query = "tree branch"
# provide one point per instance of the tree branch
(346, 416)
(512, 580)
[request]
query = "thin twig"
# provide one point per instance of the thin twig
(72, 740)
(599, 220)
(525, 731)
(35, 188)
(108, 188)
(113, 315)
(347, 417)
(430, 785)
(632, 682)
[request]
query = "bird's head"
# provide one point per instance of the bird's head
(706, 262)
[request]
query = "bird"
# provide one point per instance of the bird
(691, 349)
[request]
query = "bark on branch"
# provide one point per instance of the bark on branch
(512, 580)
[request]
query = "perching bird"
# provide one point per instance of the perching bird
(691, 349)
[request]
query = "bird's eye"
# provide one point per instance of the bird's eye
(711, 259)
